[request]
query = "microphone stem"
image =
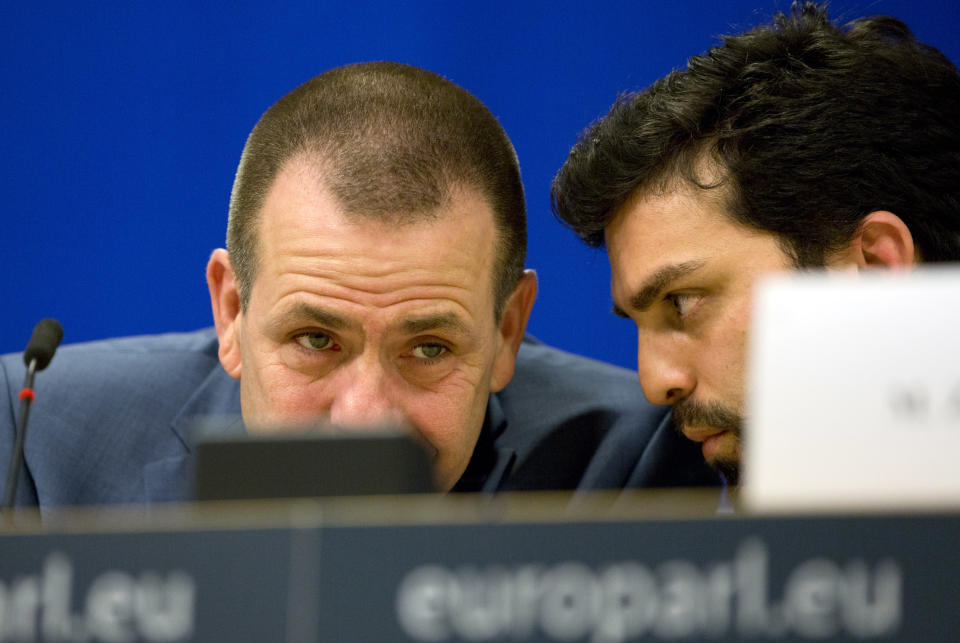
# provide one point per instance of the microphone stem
(16, 456)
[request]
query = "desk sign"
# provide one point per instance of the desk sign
(726, 580)
(854, 392)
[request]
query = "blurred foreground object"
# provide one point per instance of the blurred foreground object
(854, 395)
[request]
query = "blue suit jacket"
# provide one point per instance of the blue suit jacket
(111, 424)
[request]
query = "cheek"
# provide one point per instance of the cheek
(450, 420)
(724, 354)
(276, 395)
(447, 416)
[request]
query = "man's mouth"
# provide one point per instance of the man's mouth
(701, 433)
(713, 441)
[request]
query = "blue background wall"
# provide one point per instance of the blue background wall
(123, 124)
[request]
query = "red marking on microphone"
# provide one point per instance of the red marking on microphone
(27, 392)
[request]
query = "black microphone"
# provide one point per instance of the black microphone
(43, 343)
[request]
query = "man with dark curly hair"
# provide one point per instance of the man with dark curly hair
(797, 144)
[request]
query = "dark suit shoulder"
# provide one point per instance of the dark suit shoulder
(106, 410)
(201, 342)
(560, 408)
(141, 366)
(542, 372)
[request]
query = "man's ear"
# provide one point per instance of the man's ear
(513, 324)
(882, 241)
(225, 300)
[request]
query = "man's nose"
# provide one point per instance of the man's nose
(363, 398)
(665, 375)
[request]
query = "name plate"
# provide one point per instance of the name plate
(854, 392)
(730, 579)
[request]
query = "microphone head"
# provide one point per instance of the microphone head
(44, 341)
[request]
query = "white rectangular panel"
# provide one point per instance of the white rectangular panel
(853, 396)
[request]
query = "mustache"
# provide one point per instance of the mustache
(713, 414)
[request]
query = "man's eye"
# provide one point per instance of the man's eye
(429, 351)
(683, 304)
(315, 341)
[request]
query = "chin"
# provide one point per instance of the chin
(729, 468)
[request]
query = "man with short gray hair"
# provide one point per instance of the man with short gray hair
(374, 274)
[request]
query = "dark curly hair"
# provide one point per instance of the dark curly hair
(813, 126)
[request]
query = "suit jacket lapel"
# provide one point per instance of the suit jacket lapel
(214, 408)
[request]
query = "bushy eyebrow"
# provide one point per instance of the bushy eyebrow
(443, 321)
(302, 311)
(648, 293)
